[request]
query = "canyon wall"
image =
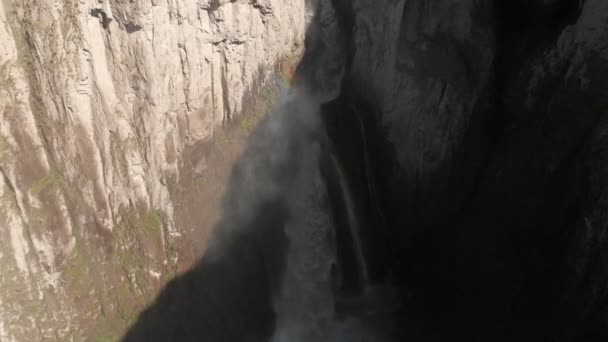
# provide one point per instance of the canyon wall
(99, 101)
(486, 127)
(473, 136)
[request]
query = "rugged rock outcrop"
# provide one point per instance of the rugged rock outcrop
(485, 122)
(99, 99)
(472, 133)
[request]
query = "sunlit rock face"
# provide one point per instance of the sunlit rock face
(99, 99)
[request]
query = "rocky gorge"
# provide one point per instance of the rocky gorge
(341, 170)
(107, 112)
(446, 186)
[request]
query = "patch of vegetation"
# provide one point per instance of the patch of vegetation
(108, 329)
(200, 181)
(73, 196)
(39, 216)
(76, 271)
(223, 139)
(5, 148)
(153, 220)
(139, 236)
(33, 309)
(130, 259)
(248, 122)
(51, 180)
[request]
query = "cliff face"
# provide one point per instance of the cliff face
(453, 188)
(485, 122)
(99, 100)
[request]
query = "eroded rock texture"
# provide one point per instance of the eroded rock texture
(98, 101)
(485, 121)
(473, 135)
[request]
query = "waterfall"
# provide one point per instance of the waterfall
(353, 227)
(307, 299)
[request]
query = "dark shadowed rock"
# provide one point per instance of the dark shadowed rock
(473, 133)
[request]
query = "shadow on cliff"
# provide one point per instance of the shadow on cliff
(489, 168)
(228, 295)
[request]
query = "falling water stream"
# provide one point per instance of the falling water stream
(328, 293)
(353, 227)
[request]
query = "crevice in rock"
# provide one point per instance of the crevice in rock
(132, 27)
(225, 90)
(102, 16)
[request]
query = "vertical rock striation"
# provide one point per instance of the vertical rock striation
(98, 101)
(486, 121)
